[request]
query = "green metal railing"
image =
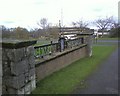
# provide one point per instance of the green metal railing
(74, 42)
(48, 49)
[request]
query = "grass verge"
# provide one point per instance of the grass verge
(108, 38)
(65, 80)
(106, 43)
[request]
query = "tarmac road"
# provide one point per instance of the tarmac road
(104, 80)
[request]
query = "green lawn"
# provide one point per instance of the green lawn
(107, 38)
(65, 80)
(42, 42)
(106, 43)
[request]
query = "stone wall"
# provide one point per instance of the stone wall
(0, 71)
(88, 41)
(62, 60)
(19, 70)
(18, 65)
(0, 61)
(65, 58)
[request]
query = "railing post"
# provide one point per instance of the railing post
(82, 40)
(62, 43)
(52, 49)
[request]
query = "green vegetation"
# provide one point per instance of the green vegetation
(65, 80)
(42, 42)
(106, 43)
(43, 51)
(107, 38)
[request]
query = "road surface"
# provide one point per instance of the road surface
(104, 80)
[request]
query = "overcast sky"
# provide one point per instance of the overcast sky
(26, 13)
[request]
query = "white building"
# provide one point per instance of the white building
(100, 33)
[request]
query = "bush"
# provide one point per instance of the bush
(115, 32)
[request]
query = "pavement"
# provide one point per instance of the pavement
(104, 80)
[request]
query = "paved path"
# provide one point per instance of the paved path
(104, 80)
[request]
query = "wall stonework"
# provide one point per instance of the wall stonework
(88, 41)
(18, 70)
(46, 68)
(0, 71)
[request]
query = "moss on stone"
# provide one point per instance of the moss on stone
(15, 44)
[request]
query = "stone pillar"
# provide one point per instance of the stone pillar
(89, 45)
(0, 61)
(18, 67)
(0, 71)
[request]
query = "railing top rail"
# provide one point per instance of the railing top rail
(45, 45)
(74, 39)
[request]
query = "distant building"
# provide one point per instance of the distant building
(70, 36)
(99, 32)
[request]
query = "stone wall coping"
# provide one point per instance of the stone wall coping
(85, 33)
(15, 44)
(59, 55)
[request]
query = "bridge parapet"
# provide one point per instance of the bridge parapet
(20, 71)
(72, 50)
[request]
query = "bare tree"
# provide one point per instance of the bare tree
(43, 23)
(115, 24)
(115, 28)
(104, 23)
(54, 32)
(81, 24)
(74, 24)
(21, 33)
